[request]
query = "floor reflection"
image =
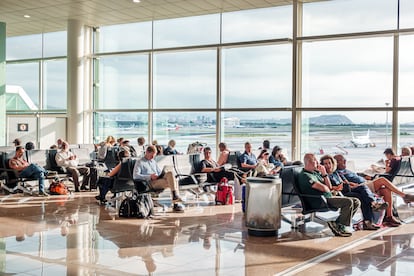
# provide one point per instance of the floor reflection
(75, 236)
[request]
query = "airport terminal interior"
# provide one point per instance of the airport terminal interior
(311, 76)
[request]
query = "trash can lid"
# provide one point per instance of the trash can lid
(264, 180)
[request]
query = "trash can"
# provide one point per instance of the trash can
(263, 205)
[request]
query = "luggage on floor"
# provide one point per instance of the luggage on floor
(58, 187)
(224, 194)
(137, 206)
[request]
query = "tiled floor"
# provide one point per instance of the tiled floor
(74, 236)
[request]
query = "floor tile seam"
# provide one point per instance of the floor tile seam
(336, 251)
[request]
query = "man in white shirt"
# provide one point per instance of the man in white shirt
(147, 169)
(67, 159)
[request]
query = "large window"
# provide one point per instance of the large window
(349, 16)
(257, 24)
(351, 72)
(360, 135)
(128, 125)
(187, 31)
(254, 127)
(406, 71)
(54, 85)
(257, 77)
(125, 37)
(122, 82)
(24, 47)
(22, 90)
(185, 79)
(185, 128)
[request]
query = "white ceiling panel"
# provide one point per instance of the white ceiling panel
(52, 15)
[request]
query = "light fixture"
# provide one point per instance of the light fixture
(26, 16)
(136, 1)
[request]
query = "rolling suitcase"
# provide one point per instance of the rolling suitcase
(224, 194)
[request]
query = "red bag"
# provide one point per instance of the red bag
(224, 194)
(58, 188)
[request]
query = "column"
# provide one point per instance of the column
(79, 98)
(2, 83)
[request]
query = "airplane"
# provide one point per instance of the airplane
(361, 141)
(173, 127)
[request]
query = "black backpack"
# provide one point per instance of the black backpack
(128, 208)
(138, 206)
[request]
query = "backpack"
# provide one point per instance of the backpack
(58, 187)
(128, 208)
(138, 206)
(145, 206)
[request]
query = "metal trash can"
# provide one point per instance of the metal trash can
(263, 205)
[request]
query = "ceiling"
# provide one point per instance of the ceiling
(52, 15)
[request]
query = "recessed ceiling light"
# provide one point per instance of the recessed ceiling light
(136, 1)
(26, 16)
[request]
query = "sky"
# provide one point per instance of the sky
(336, 73)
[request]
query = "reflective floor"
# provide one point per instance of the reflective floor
(62, 235)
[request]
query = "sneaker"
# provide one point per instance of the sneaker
(83, 188)
(408, 198)
(343, 232)
(177, 200)
(376, 206)
(178, 208)
(392, 220)
(368, 225)
(43, 193)
(334, 228)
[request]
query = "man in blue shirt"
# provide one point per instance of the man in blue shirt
(148, 170)
(248, 160)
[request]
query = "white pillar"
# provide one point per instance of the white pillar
(78, 70)
(2, 84)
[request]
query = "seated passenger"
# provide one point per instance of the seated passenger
(264, 167)
(265, 146)
(392, 163)
(214, 171)
(146, 169)
(170, 149)
(141, 146)
(224, 154)
(107, 184)
(131, 149)
(248, 160)
(362, 192)
(380, 186)
(104, 146)
(67, 159)
(277, 158)
(406, 151)
(314, 180)
(25, 169)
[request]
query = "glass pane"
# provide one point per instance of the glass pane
(257, 24)
(360, 135)
(185, 79)
(254, 127)
(22, 89)
(187, 31)
(348, 73)
(123, 82)
(348, 16)
(406, 128)
(55, 86)
(405, 78)
(406, 14)
(125, 37)
(257, 76)
(129, 125)
(24, 47)
(185, 128)
(55, 44)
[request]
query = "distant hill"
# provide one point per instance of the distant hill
(323, 120)
(330, 120)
